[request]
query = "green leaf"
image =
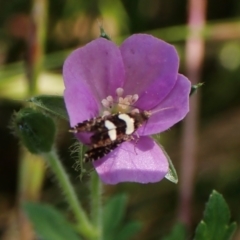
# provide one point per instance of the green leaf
(215, 223)
(113, 213)
(113, 225)
(172, 173)
(128, 231)
(53, 105)
(48, 223)
(178, 233)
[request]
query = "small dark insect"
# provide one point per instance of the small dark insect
(110, 131)
(96, 153)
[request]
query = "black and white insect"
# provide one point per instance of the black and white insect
(110, 131)
(96, 153)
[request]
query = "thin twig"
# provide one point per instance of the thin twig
(194, 59)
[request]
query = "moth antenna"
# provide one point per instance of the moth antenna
(150, 111)
(73, 130)
(160, 110)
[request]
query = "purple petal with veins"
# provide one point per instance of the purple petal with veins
(144, 71)
(142, 161)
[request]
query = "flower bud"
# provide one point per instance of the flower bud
(36, 130)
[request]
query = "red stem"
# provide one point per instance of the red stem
(194, 59)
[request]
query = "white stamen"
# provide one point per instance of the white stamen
(106, 113)
(110, 99)
(120, 99)
(121, 104)
(135, 110)
(128, 97)
(119, 92)
(111, 130)
(134, 98)
(105, 103)
(129, 123)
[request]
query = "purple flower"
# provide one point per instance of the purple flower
(141, 74)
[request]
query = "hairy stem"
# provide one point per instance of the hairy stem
(96, 203)
(83, 223)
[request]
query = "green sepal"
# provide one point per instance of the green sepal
(53, 105)
(194, 88)
(49, 223)
(215, 223)
(103, 33)
(35, 130)
(172, 173)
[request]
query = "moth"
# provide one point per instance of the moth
(110, 131)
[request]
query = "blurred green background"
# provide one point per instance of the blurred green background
(31, 58)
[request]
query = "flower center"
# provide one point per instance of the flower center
(119, 103)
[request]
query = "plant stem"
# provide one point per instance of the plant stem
(83, 223)
(31, 175)
(194, 59)
(32, 167)
(96, 202)
(36, 43)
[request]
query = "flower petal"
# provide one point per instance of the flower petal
(80, 103)
(151, 67)
(171, 110)
(98, 66)
(142, 162)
